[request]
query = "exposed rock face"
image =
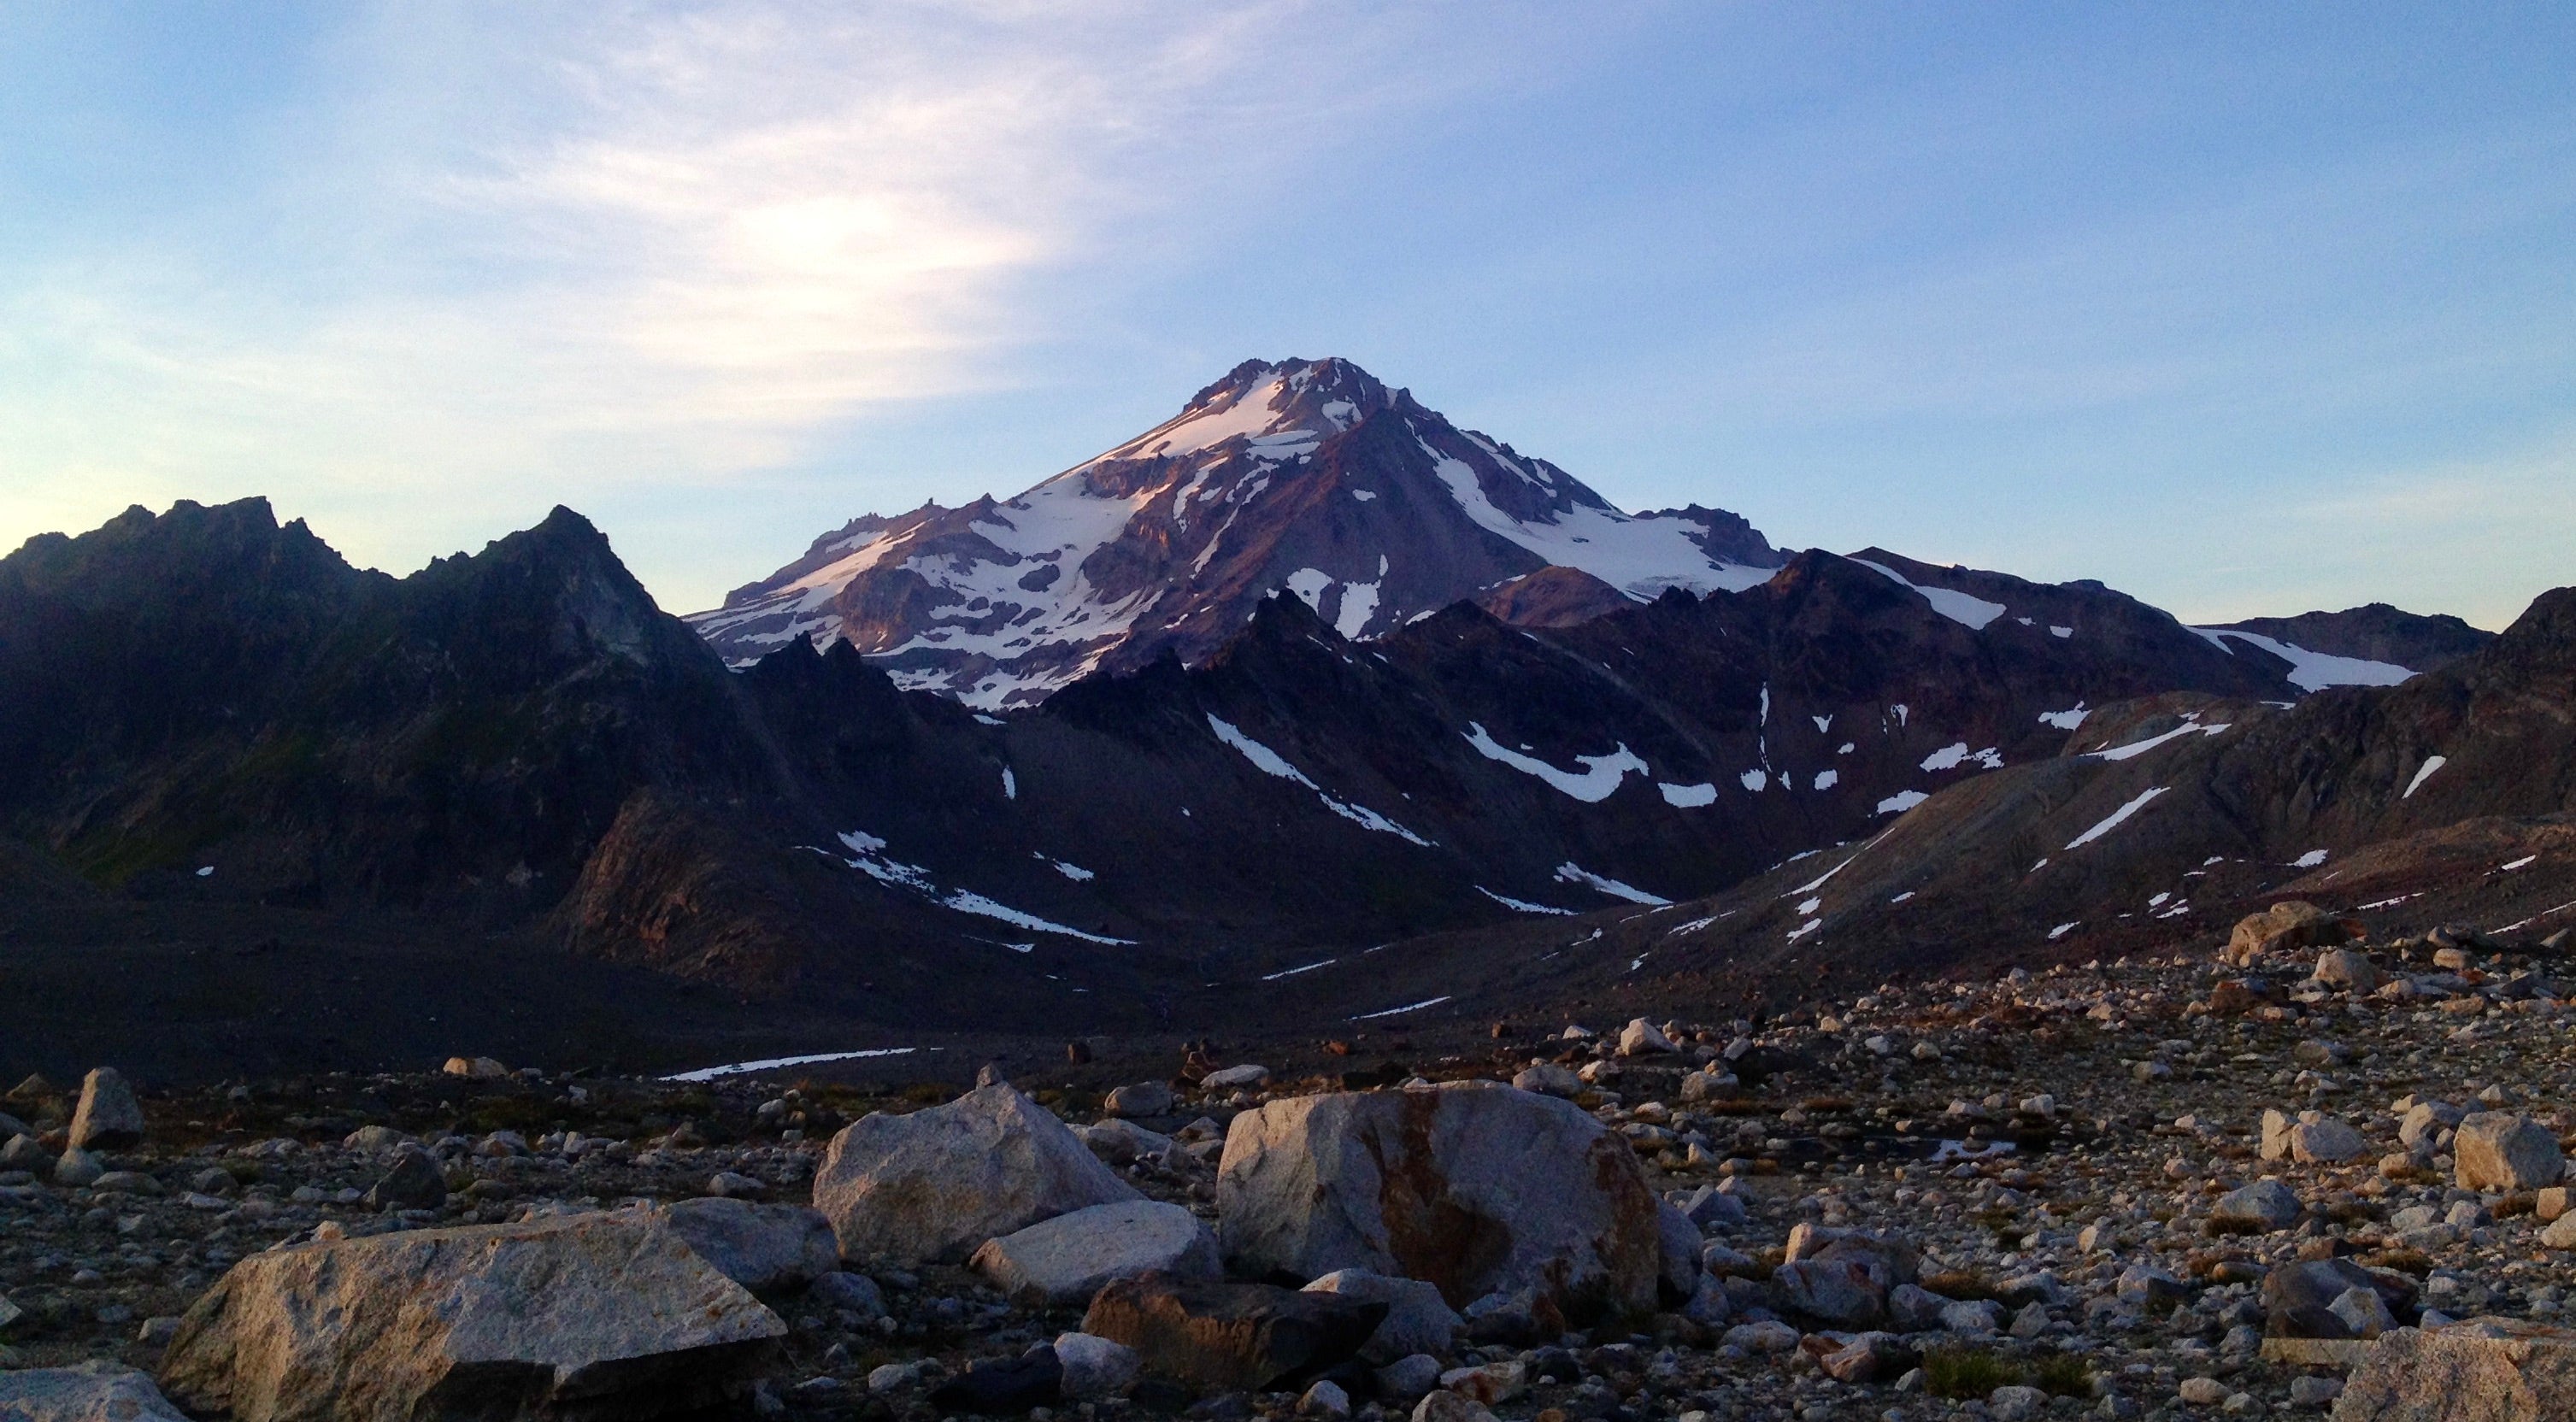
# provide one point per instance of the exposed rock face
(1218, 1334)
(92, 1392)
(109, 1117)
(1066, 1259)
(761, 1247)
(2264, 1205)
(2499, 1150)
(586, 1316)
(1477, 1188)
(934, 1185)
(2480, 1370)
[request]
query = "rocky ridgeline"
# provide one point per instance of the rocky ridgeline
(2315, 1174)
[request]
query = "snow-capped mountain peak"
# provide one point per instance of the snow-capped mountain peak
(1307, 475)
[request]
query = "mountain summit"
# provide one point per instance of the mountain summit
(1307, 475)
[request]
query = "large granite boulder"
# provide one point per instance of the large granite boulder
(1418, 1320)
(1236, 1337)
(1475, 1187)
(932, 1186)
(90, 1392)
(764, 1248)
(2477, 1370)
(580, 1316)
(1066, 1259)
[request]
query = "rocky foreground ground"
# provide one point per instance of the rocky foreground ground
(2159, 1188)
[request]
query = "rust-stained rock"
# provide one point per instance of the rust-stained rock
(2287, 927)
(1474, 1187)
(1217, 1334)
(584, 1316)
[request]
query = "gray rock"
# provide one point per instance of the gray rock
(2425, 1121)
(2477, 1370)
(2311, 1391)
(2142, 1285)
(374, 1140)
(2299, 1298)
(25, 1152)
(1708, 1207)
(78, 1167)
(2363, 1312)
(414, 1182)
(593, 1314)
(1679, 1278)
(1118, 1141)
(1324, 1399)
(1094, 1367)
(1143, 1098)
(1410, 1376)
(1911, 1308)
(1474, 1187)
(1974, 1318)
(903, 1191)
(2286, 927)
(1869, 1358)
(1709, 1304)
(1643, 1038)
(1418, 1320)
(2347, 968)
(2265, 1205)
(1066, 1259)
(1769, 1335)
(764, 1248)
(1235, 1078)
(109, 1117)
(1709, 1085)
(1849, 1291)
(1548, 1079)
(2501, 1151)
(90, 1392)
(846, 1292)
(2015, 1403)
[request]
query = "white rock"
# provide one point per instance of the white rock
(88, 1392)
(1066, 1259)
(1095, 1367)
(1418, 1320)
(1643, 1038)
(1235, 1078)
(902, 1191)
(2499, 1150)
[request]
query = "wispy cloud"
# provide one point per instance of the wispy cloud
(660, 247)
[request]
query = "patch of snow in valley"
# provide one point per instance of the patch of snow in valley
(1640, 556)
(1952, 756)
(1688, 797)
(1270, 762)
(2309, 860)
(1825, 779)
(1570, 873)
(1522, 905)
(1075, 872)
(2311, 671)
(2423, 773)
(2114, 819)
(869, 858)
(1754, 780)
(1400, 1011)
(1901, 801)
(777, 1063)
(2065, 720)
(2063, 929)
(1292, 972)
(1010, 784)
(1600, 776)
(2056, 631)
(2191, 723)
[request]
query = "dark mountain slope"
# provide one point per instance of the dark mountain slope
(2374, 632)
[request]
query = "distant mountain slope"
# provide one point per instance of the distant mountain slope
(2367, 645)
(1306, 475)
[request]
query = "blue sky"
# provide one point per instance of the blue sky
(2242, 309)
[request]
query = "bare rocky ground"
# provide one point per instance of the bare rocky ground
(2053, 1169)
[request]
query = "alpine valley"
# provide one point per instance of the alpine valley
(1303, 713)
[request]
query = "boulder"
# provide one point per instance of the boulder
(932, 1186)
(578, 1315)
(1442, 1405)
(2265, 1205)
(1548, 1079)
(1643, 1038)
(1409, 1377)
(761, 1247)
(414, 1182)
(1094, 1367)
(1708, 1207)
(475, 1068)
(1476, 1187)
(2299, 1299)
(2347, 968)
(1841, 1277)
(1239, 1337)
(2310, 1139)
(2424, 1123)
(78, 1167)
(1235, 1078)
(846, 1292)
(1418, 1320)
(2477, 1370)
(89, 1392)
(109, 1118)
(2497, 1151)
(1118, 1141)
(1869, 1358)
(2287, 927)
(1066, 1259)
(1143, 1098)
(1679, 1276)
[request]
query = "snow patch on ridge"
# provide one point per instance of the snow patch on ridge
(1599, 778)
